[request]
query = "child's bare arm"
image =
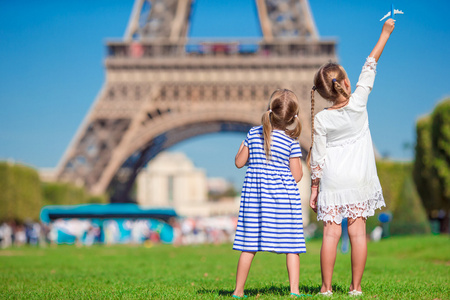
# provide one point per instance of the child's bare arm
(295, 165)
(388, 27)
(242, 156)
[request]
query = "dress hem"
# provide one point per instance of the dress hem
(336, 213)
(270, 251)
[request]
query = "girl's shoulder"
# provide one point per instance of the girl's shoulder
(322, 115)
(325, 119)
(256, 130)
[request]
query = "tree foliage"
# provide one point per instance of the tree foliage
(57, 193)
(440, 140)
(20, 197)
(432, 161)
(23, 194)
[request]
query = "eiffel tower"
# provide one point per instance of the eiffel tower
(163, 87)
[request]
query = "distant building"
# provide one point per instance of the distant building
(172, 180)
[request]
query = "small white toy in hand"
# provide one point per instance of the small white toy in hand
(392, 13)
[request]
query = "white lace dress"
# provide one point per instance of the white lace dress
(343, 157)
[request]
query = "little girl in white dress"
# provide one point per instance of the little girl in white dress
(342, 160)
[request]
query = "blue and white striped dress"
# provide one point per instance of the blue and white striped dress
(270, 215)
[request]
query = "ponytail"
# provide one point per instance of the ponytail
(297, 130)
(267, 132)
(338, 87)
(308, 158)
(327, 82)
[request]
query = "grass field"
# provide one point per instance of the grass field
(397, 268)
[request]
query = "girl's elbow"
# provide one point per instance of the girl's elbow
(238, 164)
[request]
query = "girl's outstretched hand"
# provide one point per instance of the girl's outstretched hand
(313, 199)
(388, 26)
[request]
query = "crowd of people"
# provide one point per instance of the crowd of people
(31, 233)
(211, 230)
(182, 231)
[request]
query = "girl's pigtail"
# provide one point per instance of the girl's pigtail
(337, 86)
(308, 158)
(267, 132)
(297, 130)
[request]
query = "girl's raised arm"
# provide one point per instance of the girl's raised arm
(388, 27)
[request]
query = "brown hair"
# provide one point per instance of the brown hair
(327, 82)
(282, 112)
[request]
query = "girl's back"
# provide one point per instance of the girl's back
(350, 121)
(270, 215)
(282, 149)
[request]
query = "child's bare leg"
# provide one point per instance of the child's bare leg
(357, 235)
(293, 268)
(331, 236)
(245, 261)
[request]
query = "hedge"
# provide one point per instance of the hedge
(23, 194)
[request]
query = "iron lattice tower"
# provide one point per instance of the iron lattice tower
(162, 87)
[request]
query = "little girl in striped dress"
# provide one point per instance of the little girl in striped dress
(270, 216)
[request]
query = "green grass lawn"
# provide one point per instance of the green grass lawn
(397, 268)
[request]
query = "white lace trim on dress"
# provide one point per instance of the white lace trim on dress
(317, 171)
(370, 64)
(365, 209)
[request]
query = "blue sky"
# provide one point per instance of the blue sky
(51, 69)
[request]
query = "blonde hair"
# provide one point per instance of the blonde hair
(282, 112)
(327, 82)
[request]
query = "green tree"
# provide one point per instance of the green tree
(57, 193)
(432, 162)
(440, 140)
(23, 194)
(21, 197)
(6, 205)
